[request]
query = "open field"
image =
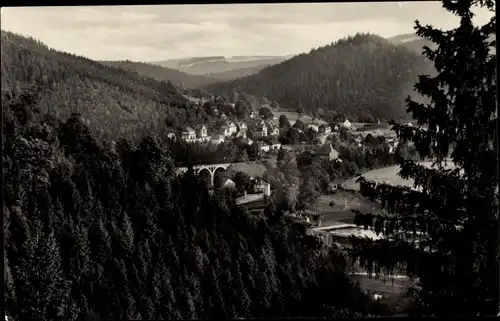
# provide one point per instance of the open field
(387, 175)
(253, 169)
(344, 201)
(385, 287)
(341, 211)
(292, 117)
(386, 132)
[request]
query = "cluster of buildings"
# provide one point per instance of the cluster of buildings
(230, 130)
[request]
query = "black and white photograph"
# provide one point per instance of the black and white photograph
(250, 161)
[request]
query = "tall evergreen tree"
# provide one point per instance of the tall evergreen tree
(455, 210)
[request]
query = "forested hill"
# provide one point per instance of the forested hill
(161, 73)
(112, 101)
(95, 232)
(362, 77)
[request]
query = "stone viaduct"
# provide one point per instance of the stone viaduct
(208, 169)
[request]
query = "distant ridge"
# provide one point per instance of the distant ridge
(363, 77)
(216, 65)
(161, 73)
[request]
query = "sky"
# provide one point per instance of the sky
(160, 32)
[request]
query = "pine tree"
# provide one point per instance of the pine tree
(455, 210)
(40, 280)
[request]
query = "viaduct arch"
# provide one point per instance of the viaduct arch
(199, 169)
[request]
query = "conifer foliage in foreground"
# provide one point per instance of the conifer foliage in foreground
(107, 232)
(456, 211)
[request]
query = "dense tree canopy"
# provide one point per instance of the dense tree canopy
(455, 210)
(364, 77)
(95, 230)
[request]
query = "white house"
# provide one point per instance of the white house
(171, 136)
(242, 129)
(272, 128)
(263, 187)
(229, 184)
(233, 129)
(189, 135)
(347, 124)
(263, 146)
(262, 129)
(225, 131)
(328, 129)
(202, 133)
(313, 127)
(275, 145)
(252, 115)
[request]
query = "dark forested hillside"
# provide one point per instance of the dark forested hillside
(161, 73)
(100, 231)
(112, 101)
(363, 77)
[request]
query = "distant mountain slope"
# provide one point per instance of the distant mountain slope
(412, 42)
(161, 73)
(217, 65)
(363, 77)
(237, 73)
(113, 101)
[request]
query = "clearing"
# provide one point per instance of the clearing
(343, 203)
(293, 116)
(253, 169)
(388, 175)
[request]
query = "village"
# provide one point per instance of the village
(269, 134)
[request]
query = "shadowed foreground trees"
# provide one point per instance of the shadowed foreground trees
(106, 231)
(456, 211)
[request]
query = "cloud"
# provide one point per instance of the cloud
(146, 33)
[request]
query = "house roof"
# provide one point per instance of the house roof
(325, 149)
(189, 129)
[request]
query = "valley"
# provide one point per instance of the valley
(177, 162)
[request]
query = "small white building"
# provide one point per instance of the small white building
(275, 145)
(171, 136)
(202, 133)
(189, 134)
(229, 184)
(347, 124)
(262, 129)
(328, 129)
(272, 128)
(252, 115)
(313, 127)
(242, 129)
(263, 187)
(233, 129)
(263, 146)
